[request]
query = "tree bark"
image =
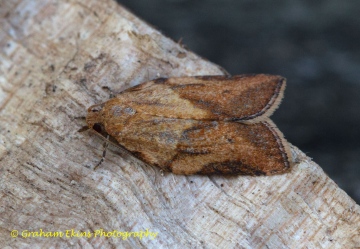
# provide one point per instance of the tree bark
(60, 57)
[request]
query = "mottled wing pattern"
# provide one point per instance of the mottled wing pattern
(205, 147)
(231, 148)
(249, 98)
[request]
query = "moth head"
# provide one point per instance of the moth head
(94, 118)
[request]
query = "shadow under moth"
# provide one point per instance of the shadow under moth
(200, 124)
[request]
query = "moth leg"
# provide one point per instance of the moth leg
(84, 128)
(106, 145)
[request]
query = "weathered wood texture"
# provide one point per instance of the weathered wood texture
(59, 57)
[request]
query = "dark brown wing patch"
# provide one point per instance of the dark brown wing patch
(232, 148)
(238, 98)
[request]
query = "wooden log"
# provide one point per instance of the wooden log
(58, 58)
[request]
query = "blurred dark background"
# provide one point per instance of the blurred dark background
(314, 44)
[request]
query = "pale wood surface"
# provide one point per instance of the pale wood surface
(59, 57)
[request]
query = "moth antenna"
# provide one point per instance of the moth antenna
(84, 128)
(106, 145)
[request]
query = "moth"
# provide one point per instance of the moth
(199, 124)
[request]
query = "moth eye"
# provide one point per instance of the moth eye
(95, 108)
(97, 127)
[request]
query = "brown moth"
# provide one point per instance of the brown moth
(200, 124)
